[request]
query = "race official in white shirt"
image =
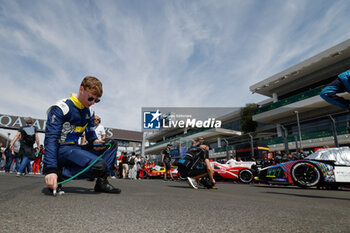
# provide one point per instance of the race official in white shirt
(99, 130)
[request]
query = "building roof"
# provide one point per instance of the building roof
(127, 135)
(321, 66)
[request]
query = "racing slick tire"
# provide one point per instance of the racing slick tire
(305, 174)
(245, 176)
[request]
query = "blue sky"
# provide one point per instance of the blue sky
(156, 53)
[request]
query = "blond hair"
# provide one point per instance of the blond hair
(92, 84)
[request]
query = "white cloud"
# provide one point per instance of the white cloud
(156, 53)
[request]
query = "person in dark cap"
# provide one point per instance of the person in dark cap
(166, 160)
(200, 141)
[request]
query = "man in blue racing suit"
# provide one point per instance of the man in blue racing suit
(66, 122)
(340, 85)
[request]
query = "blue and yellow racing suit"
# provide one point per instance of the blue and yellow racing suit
(67, 120)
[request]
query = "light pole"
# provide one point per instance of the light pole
(299, 130)
(285, 139)
(143, 144)
(334, 129)
(226, 147)
(251, 144)
(296, 143)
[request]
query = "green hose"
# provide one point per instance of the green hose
(87, 168)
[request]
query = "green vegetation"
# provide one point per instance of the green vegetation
(247, 123)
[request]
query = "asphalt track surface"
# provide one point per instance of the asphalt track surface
(158, 206)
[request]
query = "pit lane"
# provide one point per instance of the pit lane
(158, 206)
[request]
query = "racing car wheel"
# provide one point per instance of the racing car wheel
(305, 174)
(245, 176)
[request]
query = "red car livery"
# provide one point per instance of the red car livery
(240, 171)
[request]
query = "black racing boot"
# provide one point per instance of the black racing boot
(103, 186)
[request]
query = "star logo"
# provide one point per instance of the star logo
(156, 115)
(151, 120)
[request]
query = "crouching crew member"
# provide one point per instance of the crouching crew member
(196, 168)
(66, 122)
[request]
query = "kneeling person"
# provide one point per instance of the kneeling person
(195, 166)
(66, 122)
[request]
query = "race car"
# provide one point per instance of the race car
(329, 168)
(240, 171)
(175, 172)
(156, 171)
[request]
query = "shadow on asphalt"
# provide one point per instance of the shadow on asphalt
(344, 189)
(188, 187)
(309, 196)
(78, 190)
(181, 187)
(276, 186)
